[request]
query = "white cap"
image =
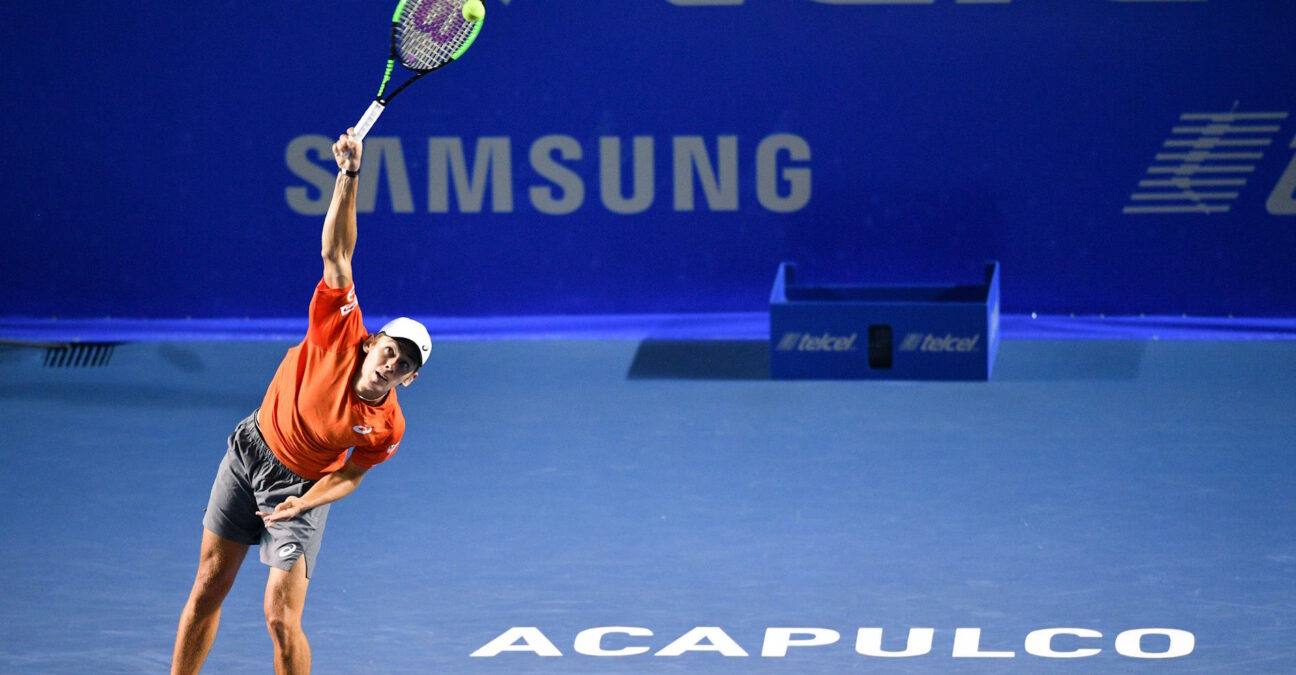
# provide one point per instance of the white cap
(413, 331)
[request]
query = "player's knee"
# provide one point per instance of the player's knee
(282, 619)
(283, 625)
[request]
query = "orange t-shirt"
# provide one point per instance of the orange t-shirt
(311, 415)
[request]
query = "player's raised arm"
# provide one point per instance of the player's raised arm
(337, 242)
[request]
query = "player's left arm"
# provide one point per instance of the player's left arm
(337, 241)
(330, 488)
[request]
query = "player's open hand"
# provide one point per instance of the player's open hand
(289, 509)
(347, 151)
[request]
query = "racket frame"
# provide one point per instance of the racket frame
(380, 102)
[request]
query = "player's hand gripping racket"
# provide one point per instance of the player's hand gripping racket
(426, 35)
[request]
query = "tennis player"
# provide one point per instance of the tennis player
(288, 461)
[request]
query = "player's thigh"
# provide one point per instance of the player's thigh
(285, 595)
(218, 563)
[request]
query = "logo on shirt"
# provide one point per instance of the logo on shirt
(351, 302)
(392, 448)
(362, 429)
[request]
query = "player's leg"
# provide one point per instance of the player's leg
(289, 548)
(285, 598)
(218, 564)
(230, 526)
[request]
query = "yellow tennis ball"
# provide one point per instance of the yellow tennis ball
(474, 11)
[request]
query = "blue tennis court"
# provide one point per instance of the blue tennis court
(649, 495)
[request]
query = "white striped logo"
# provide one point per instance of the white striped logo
(1205, 163)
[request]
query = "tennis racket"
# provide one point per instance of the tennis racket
(426, 35)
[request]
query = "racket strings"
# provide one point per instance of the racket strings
(430, 32)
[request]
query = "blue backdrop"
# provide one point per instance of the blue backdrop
(600, 156)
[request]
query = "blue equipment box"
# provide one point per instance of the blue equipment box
(900, 332)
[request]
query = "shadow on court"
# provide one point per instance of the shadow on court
(1029, 361)
(701, 360)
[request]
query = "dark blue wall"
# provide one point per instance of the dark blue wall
(161, 157)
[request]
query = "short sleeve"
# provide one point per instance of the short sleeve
(334, 319)
(367, 457)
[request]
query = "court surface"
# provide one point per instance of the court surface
(667, 485)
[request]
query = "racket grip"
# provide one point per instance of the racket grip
(366, 123)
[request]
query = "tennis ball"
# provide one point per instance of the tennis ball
(474, 11)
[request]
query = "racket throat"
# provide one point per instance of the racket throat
(367, 121)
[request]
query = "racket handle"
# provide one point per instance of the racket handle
(371, 115)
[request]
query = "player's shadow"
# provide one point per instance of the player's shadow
(701, 360)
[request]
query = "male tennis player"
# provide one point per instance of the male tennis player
(333, 392)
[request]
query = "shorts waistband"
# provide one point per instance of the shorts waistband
(252, 427)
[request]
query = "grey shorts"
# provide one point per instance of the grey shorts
(252, 479)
